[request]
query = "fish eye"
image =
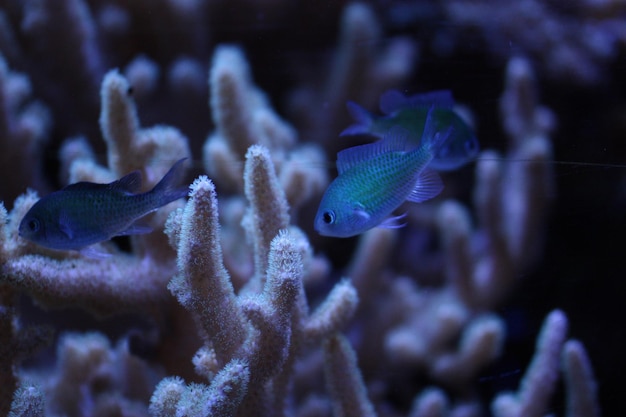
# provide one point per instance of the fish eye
(328, 217)
(33, 225)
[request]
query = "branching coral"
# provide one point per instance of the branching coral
(263, 329)
(278, 326)
(573, 42)
(101, 285)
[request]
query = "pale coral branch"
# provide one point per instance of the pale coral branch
(203, 285)
(431, 402)
(540, 379)
(268, 212)
(111, 285)
(579, 380)
(220, 399)
(344, 380)
(28, 401)
(232, 99)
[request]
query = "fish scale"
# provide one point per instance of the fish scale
(373, 181)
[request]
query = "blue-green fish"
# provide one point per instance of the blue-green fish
(410, 113)
(85, 213)
(376, 178)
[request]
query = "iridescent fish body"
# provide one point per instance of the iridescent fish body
(376, 178)
(410, 113)
(85, 213)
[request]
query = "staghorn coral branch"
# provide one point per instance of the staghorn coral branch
(171, 397)
(580, 382)
(24, 126)
(203, 285)
(344, 379)
(541, 376)
(232, 99)
(268, 212)
(101, 286)
(28, 401)
(129, 147)
(119, 282)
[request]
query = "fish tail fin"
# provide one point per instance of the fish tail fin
(362, 117)
(168, 189)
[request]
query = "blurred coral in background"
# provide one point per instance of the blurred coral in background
(494, 299)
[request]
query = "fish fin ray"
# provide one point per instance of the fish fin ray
(393, 222)
(355, 129)
(360, 211)
(428, 186)
(395, 140)
(167, 190)
(432, 137)
(362, 117)
(64, 226)
(393, 100)
(84, 186)
(136, 229)
(93, 253)
(129, 183)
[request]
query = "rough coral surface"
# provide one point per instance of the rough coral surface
(233, 305)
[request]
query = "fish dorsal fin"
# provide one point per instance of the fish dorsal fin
(83, 186)
(392, 100)
(427, 186)
(362, 117)
(395, 140)
(130, 183)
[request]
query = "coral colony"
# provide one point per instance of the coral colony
(234, 305)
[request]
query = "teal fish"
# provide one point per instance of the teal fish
(85, 213)
(410, 113)
(376, 178)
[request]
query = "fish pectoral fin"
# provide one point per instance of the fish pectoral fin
(428, 185)
(393, 222)
(136, 229)
(64, 226)
(360, 212)
(92, 253)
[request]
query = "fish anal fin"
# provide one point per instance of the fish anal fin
(136, 229)
(428, 185)
(393, 222)
(395, 140)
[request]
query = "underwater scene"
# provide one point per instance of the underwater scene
(393, 208)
